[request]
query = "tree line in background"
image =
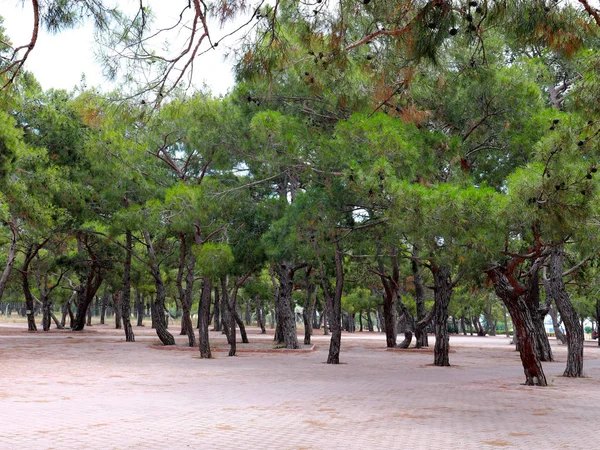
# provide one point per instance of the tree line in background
(409, 162)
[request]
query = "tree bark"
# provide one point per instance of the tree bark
(12, 251)
(139, 302)
(553, 312)
(515, 297)
(260, 317)
(442, 294)
(88, 288)
(568, 314)
(103, 304)
(335, 302)
(420, 332)
(158, 307)
(217, 325)
(29, 255)
(204, 319)
(307, 310)
(187, 264)
(283, 306)
(125, 302)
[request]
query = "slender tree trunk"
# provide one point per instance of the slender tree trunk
(126, 296)
(217, 325)
(442, 293)
(553, 312)
(139, 302)
(307, 312)
(568, 314)
(420, 332)
(598, 319)
(27, 290)
(46, 312)
(117, 303)
(103, 304)
(463, 325)
(204, 317)
(158, 307)
(260, 317)
(242, 327)
(515, 297)
(336, 308)
(369, 321)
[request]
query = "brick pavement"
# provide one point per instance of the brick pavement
(92, 390)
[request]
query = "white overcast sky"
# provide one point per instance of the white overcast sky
(58, 61)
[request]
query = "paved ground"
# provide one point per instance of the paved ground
(92, 390)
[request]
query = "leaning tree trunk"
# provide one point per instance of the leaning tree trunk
(568, 314)
(553, 313)
(283, 307)
(204, 319)
(336, 309)
(158, 306)
(126, 297)
(515, 297)
(443, 292)
(240, 324)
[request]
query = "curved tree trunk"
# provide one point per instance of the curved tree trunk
(204, 317)
(553, 312)
(575, 337)
(158, 306)
(515, 297)
(443, 292)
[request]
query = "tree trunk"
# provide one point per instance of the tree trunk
(187, 264)
(240, 324)
(125, 302)
(158, 307)
(66, 311)
(103, 304)
(369, 321)
(553, 312)
(442, 294)
(308, 304)
(27, 290)
(247, 312)
(139, 302)
(10, 261)
(204, 317)
(283, 306)
(260, 317)
(336, 308)
(46, 313)
(515, 297)
(568, 314)
(217, 325)
(117, 305)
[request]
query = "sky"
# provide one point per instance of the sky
(58, 61)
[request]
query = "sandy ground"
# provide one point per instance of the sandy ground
(92, 390)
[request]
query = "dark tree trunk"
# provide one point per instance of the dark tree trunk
(139, 302)
(46, 313)
(217, 325)
(463, 325)
(420, 332)
(369, 321)
(598, 319)
(66, 311)
(260, 317)
(117, 304)
(126, 296)
(442, 294)
(391, 285)
(204, 318)
(360, 320)
(187, 264)
(283, 305)
(568, 314)
(158, 307)
(29, 255)
(247, 312)
(242, 327)
(10, 260)
(538, 313)
(335, 302)
(515, 296)
(308, 305)
(103, 304)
